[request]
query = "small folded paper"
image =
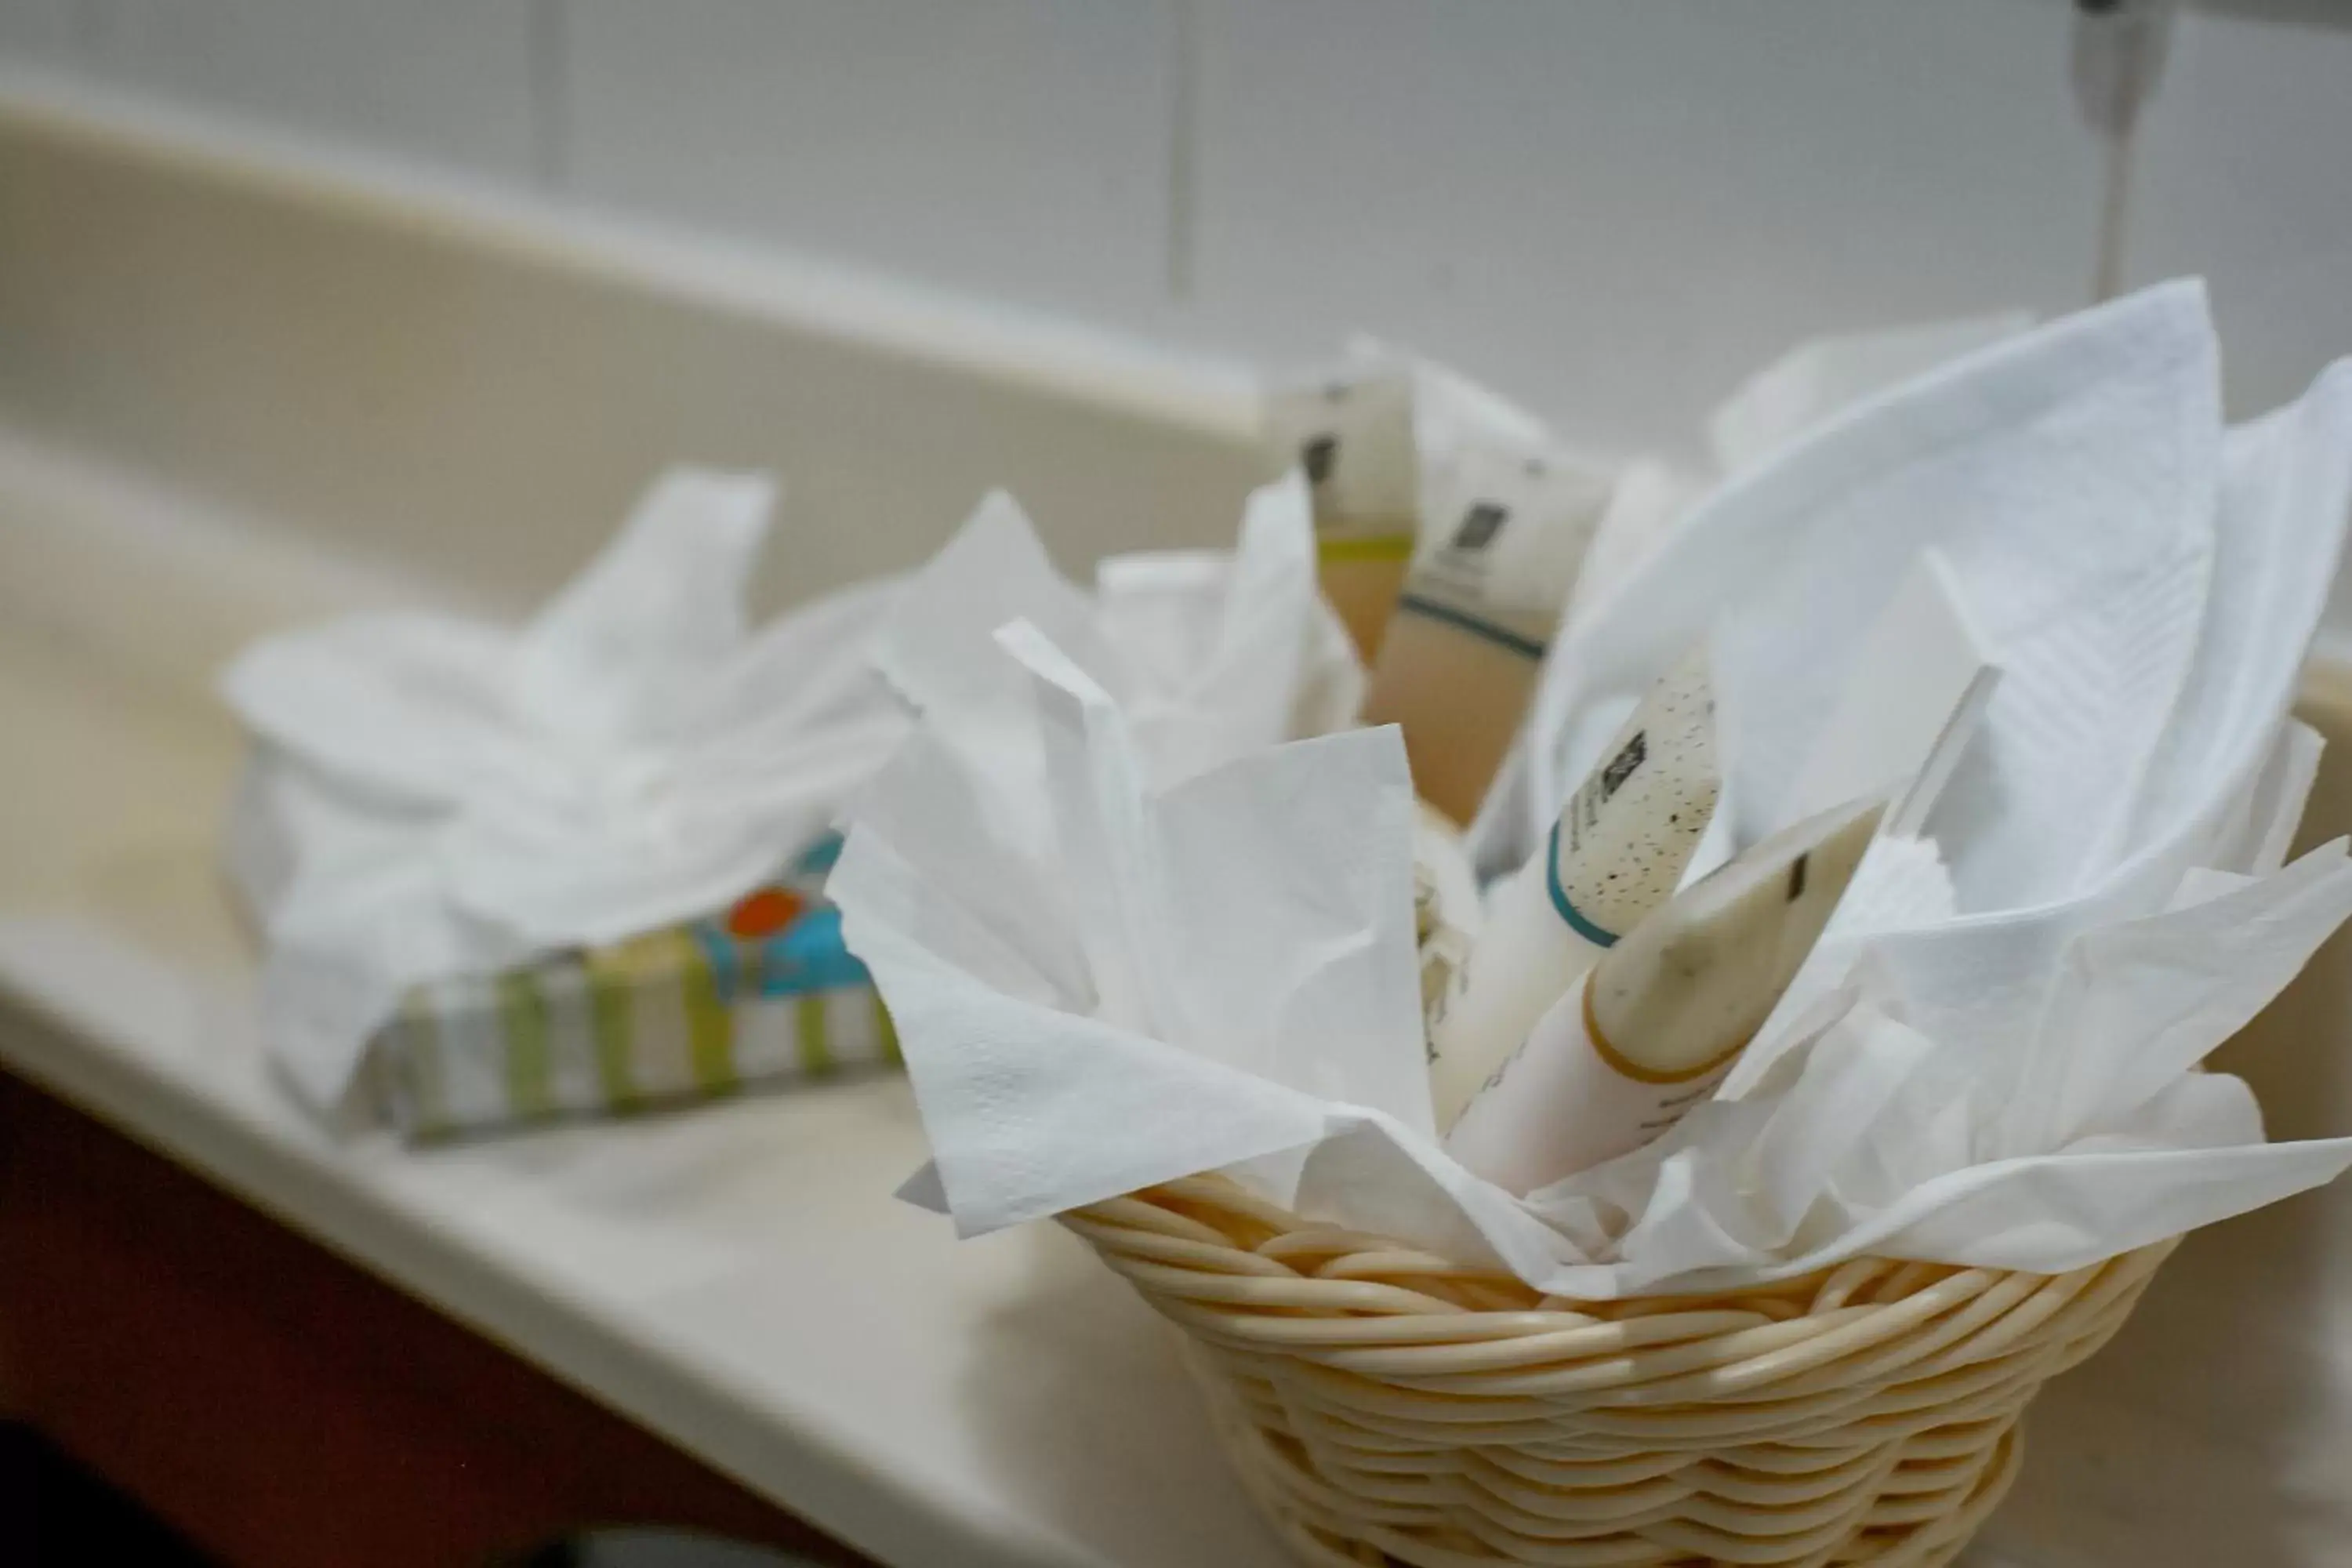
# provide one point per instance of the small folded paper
(1104, 977)
(765, 995)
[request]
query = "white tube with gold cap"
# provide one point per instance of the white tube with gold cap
(1663, 1015)
(1618, 851)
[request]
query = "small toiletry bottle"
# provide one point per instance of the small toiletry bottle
(1504, 532)
(1617, 852)
(1353, 434)
(1659, 1021)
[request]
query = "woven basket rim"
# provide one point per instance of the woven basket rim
(1385, 1404)
(1310, 1238)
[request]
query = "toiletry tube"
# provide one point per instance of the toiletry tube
(1618, 852)
(1353, 434)
(1504, 532)
(1659, 1021)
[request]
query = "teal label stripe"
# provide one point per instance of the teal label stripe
(1567, 912)
(1487, 631)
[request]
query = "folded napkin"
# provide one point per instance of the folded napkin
(1789, 397)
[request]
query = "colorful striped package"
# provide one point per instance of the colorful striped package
(766, 993)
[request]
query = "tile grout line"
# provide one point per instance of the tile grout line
(86, 35)
(1184, 149)
(2118, 54)
(550, 93)
(2119, 152)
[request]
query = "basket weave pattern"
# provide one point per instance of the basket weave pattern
(1388, 1406)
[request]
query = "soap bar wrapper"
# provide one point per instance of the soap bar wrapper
(766, 995)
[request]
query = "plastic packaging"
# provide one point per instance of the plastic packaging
(1659, 1019)
(1353, 434)
(1504, 534)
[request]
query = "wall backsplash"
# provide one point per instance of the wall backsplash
(1611, 207)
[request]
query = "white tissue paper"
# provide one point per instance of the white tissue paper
(432, 796)
(1819, 377)
(1771, 408)
(1211, 654)
(1045, 932)
(1101, 981)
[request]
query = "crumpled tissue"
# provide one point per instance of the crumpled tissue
(431, 796)
(1213, 654)
(1044, 924)
(1101, 982)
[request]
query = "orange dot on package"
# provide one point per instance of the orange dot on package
(763, 913)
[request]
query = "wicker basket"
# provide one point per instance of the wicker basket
(1387, 1406)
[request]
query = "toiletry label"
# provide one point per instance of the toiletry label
(1353, 434)
(1567, 1101)
(1505, 530)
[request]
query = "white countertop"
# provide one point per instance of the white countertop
(737, 1277)
(462, 389)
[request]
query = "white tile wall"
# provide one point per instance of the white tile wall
(1016, 147)
(40, 29)
(2244, 173)
(1617, 207)
(448, 80)
(1613, 207)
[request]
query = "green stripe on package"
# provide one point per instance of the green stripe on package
(764, 994)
